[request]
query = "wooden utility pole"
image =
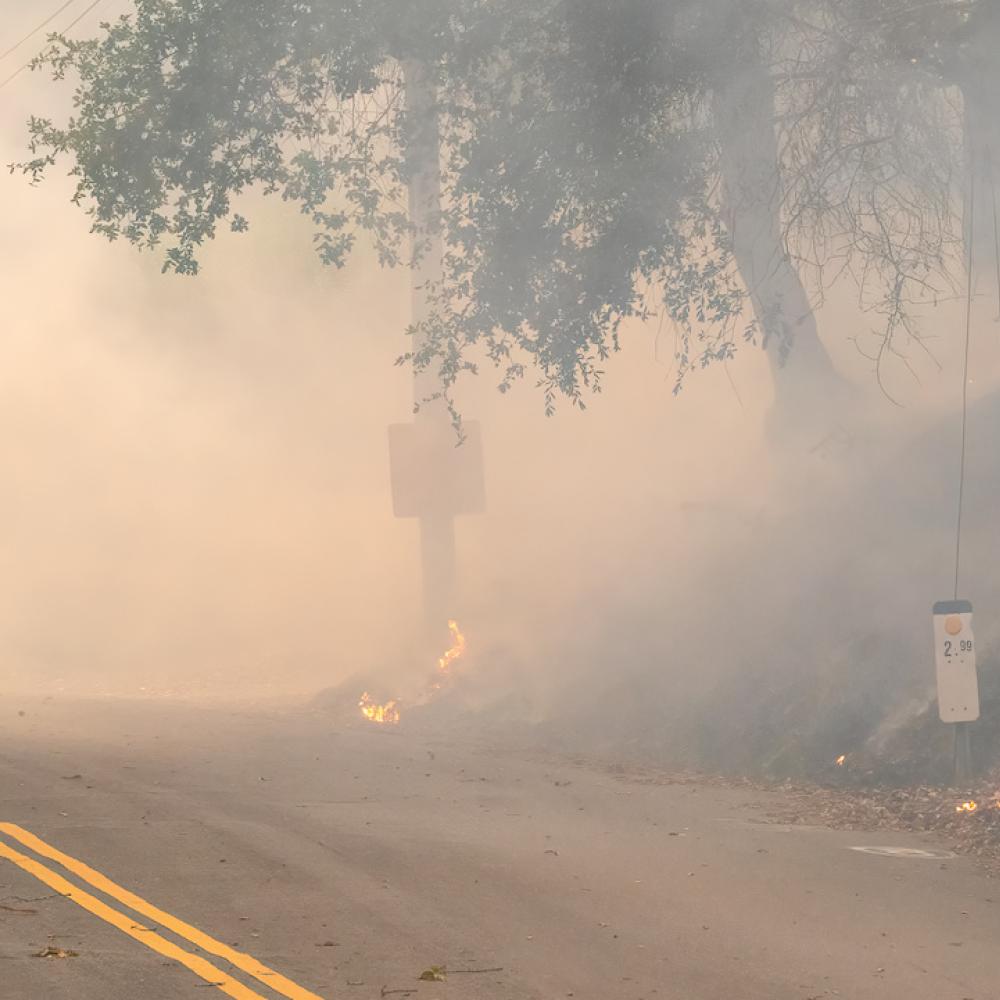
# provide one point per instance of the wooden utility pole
(437, 526)
(433, 480)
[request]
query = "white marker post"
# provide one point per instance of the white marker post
(957, 682)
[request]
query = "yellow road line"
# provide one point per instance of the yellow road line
(145, 935)
(240, 960)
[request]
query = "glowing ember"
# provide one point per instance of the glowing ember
(967, 807)
(841, 760)
(457, 648)
(387, 714)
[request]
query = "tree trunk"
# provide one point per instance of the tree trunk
(808, 392)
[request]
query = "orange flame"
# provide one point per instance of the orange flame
(457, 647)
(841, 760)
(387, 714)
(967, 807)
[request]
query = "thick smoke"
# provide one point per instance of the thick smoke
(197, 494)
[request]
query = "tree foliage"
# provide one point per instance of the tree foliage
(873, 164)
(870, 161)
(575, 190)
(580, 155)
(183, 106)
(573, 195)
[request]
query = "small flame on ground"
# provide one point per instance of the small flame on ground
(457, 647)
(967, 807)
(387, 714)
(841, 760)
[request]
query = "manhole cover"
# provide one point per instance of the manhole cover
(906, 852)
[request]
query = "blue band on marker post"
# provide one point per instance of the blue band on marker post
(953, 608)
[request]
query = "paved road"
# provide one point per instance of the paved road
(350, 860)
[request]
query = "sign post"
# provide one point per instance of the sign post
(957, 681)
(432, 480)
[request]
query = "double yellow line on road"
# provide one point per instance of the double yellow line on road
(146, 935)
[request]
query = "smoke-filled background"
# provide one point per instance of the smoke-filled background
(197, 490)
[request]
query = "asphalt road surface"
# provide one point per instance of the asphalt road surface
(161, 852)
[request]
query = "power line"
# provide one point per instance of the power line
(72, 24)
(14, 75)
(996, 224)
(34, 31)
(965, 372)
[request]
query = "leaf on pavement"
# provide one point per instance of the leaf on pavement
(50, 951)
(435, 974)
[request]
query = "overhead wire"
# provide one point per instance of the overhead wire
(34, 31)
(996, 227)
(965, 372)
(94, 3)
(86, 10)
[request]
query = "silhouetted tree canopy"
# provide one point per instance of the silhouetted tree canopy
(582, 149)
(573, 193)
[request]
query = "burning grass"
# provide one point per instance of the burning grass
(387, 714)
(457, 650)
(390, 712)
